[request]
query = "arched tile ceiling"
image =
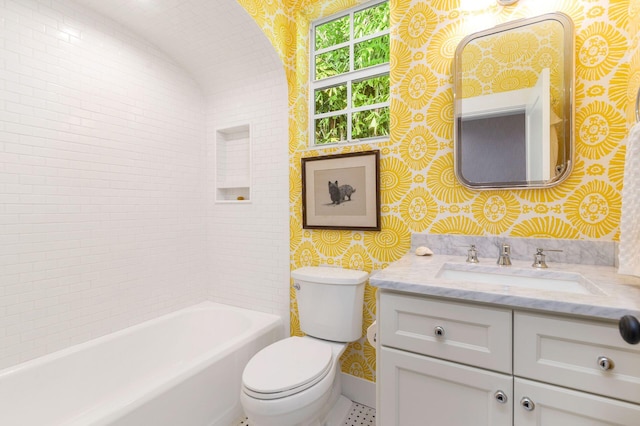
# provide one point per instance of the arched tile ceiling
(216, 41)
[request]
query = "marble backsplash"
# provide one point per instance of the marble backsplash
(573, 251)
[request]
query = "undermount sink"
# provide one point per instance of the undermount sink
(566, 282)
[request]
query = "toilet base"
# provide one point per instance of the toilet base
(339, 412)
(332, 411)
(310, 407)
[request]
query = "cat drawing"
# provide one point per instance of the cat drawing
(339, 193)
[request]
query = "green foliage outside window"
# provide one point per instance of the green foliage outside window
(371, 52)
(372, 20)
(374, 90)
(332, 63)
(332, 33)
(331, 99)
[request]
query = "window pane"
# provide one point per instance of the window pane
(371, 91)
(371, 52)
(371, 123)
(331, 129)
(332, 33)
(331, 99)
(371, 20)
(332, 63)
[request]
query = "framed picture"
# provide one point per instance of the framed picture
(341, 191)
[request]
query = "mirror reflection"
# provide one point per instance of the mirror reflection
(513, 86)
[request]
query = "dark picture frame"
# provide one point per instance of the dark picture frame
(341, 191)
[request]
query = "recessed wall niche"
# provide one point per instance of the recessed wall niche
(233, 164)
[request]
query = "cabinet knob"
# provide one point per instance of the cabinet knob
(501, 397)
(296, 286)
(630, 329)
(605, 363)
(438, 331)
(527, 404)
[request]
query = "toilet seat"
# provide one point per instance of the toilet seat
(286, 367)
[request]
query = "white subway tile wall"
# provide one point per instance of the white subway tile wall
(105, 198)
(249, 243)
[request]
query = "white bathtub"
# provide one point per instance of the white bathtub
(183, 369)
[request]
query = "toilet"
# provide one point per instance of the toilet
(296, 381)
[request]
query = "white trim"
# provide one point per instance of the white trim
(364, 4)
(353, 76)
(495, 104)
(359, 390)
(355, 142)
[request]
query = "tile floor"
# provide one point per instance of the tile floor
(360, 415)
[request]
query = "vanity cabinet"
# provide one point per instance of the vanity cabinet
(443, 363)
(456, 363)
(420, 390)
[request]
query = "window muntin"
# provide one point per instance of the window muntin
(350, 75)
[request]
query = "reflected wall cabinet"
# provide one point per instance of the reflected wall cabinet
(233, 164)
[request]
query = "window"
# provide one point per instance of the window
(350, 75)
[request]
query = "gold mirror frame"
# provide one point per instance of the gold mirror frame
(560, 102)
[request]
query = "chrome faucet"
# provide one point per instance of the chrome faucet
(472, 254)
(539, 258)
(505, 255)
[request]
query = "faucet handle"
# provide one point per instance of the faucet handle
(541, 249)
(538, 258)
(472, 254)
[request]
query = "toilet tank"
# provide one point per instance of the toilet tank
(330, 302)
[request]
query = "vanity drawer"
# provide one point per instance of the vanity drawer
(472, 335)
(575, 353)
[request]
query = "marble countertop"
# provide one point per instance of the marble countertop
(609, 296)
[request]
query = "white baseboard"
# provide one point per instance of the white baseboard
(359, 390)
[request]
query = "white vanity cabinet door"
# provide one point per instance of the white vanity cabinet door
(416, 390)
(470, 334)
(578, 354)
(539, 404)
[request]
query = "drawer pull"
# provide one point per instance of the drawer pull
(438, 331)
(527, 404)
(501, 397)
(605, 363)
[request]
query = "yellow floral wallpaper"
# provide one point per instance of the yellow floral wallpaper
(419, 189)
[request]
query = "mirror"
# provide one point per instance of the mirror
(513, 104)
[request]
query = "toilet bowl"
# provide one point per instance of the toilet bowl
(295, 381)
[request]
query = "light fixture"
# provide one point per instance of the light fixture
(506, 2)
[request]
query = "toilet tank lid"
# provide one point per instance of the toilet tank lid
(329, 275)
